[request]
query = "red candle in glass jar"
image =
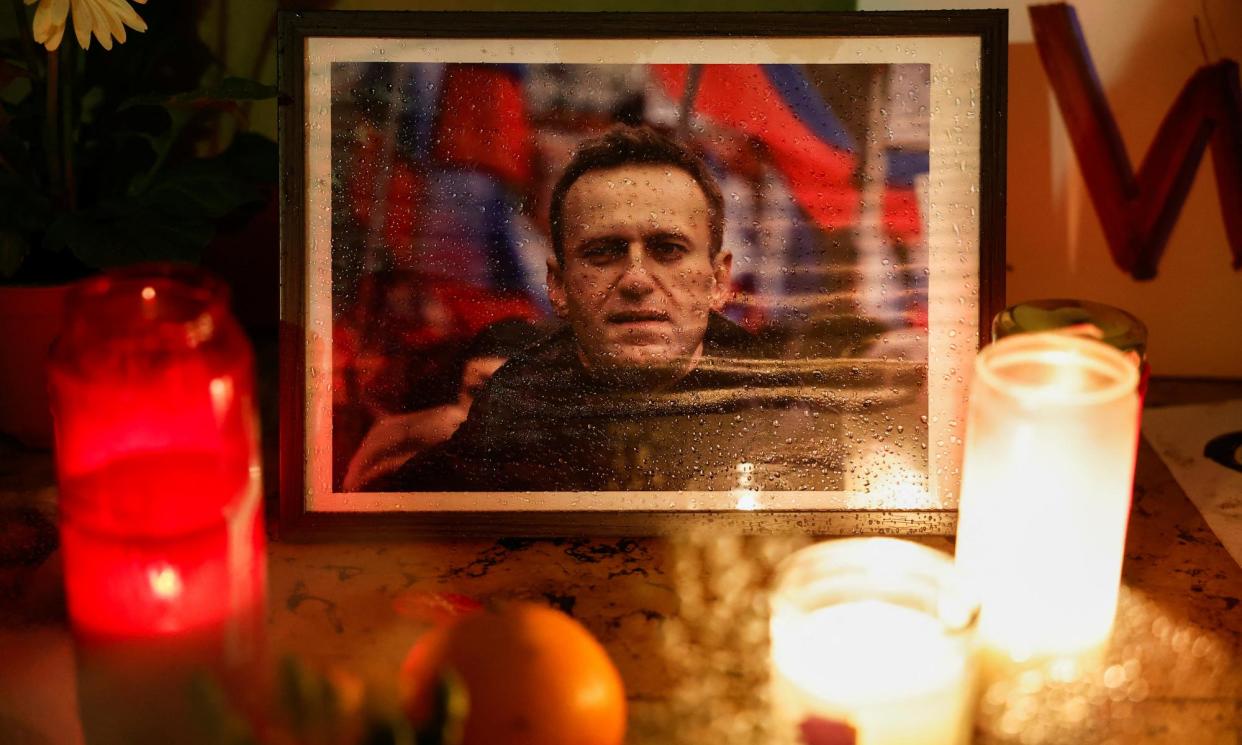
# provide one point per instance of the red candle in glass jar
(157, 453)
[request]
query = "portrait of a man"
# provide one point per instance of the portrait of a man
(638, 269)
(711, 277)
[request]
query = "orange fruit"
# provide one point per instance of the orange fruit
(532, 675)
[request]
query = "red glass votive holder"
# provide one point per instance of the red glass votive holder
(157, 457)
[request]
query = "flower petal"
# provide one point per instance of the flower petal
(83, 21)
(106, 21)
(102, 27)
(53, 43)
(115, 27)
(49, 22)
(129, 16)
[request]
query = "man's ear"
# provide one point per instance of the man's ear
(556, 288)
(722, 273)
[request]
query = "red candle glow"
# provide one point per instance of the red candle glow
(157, 458)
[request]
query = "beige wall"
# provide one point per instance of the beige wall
(1144, 51)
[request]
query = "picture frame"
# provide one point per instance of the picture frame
(919, 273)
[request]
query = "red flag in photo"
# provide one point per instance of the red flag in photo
(903, 221)
(406, 187)
(482, 122)
(777, 105)
(401, 193)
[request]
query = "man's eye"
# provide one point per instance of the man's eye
(667, 249)
(600, 253)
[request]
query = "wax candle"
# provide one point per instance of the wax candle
(160, 496)
(1048, 471)
(872, 645)
(140, 558)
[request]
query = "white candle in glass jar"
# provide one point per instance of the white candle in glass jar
(1048, 473)
(872, 637)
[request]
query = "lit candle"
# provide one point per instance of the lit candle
(1048, 472)
(160, 495)
(872, 645)
(150, 551)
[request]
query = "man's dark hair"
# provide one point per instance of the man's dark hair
(625, 145)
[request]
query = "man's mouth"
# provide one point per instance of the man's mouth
(638, 317)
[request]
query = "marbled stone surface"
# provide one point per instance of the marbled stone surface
(1178, 641)
(342, 603)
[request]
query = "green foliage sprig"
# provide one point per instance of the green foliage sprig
(105, 161)
(311, 707)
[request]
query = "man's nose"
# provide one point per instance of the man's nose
(637, 280)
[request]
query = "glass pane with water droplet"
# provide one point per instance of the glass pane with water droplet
(632, 278)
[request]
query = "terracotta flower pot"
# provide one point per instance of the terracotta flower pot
(29, 320)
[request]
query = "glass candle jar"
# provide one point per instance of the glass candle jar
(157, 458)
(156, 454)
(872, 643)
(1092, 320)
(1052, 429)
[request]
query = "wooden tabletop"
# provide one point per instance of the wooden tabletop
(682, 618)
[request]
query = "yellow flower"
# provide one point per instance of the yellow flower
(105, 18)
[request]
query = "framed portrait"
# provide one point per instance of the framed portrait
(610, 273)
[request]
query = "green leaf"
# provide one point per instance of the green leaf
(309, 702)
(115, 235)
(13, 250)
(10, 71)
(173, 219)
(202, 189)
(232, 89)
(59, 235)
(229, 89)
(89, 105)
(389, 729)
(25, 207)
(213, 718)
(16, 153)
(448, 719)
(161, 145)
(182, 108)
(252, 158)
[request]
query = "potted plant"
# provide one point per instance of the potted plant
(111, 152)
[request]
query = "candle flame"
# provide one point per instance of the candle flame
(887, 476)
(165, 582)
(747, 499)
(221, 390)
(745, 492)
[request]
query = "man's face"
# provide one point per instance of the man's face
(638, 280)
